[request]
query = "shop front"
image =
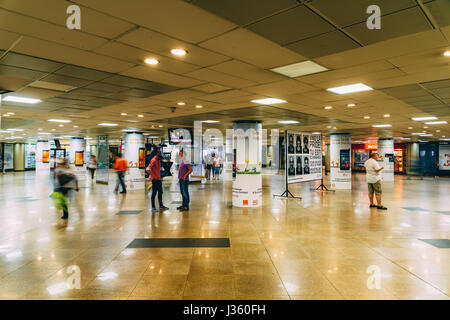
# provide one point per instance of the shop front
(361, 152)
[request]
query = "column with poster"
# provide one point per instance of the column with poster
(102, 159)
(444, 157)
(135, 156)
(77, 153)
(386, 151)
(340, 161)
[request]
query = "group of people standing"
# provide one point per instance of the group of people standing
(212, 167)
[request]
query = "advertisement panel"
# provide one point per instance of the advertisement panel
(444, 157)
(102, 159)
(340, 161)
(135, 176)
(304, 159)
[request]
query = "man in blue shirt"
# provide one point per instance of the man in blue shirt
(184, 170)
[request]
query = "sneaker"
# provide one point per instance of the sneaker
(184, 209)
(381, 208)
(155, 210)
(180, 207)
(372, 206)
(65, 217)
(123, 192)
(163, 208)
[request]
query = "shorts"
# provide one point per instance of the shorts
(375, 187)
(217, 170)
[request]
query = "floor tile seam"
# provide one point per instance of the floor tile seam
(189, 273)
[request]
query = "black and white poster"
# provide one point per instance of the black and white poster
(304, 159)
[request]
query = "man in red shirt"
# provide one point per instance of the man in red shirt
(154, 170)
(121, 167)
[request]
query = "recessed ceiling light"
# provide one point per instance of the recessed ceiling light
(426, 135)
(287, 121)
(410, 128)
(75, 126)
(160, 126)
(436, 122)
(123, 114)
(178, 52)
(299, 69)
(199, 106)
(10, 113)
(387, 115)
(382, 125)
(59, 120)
(366, 117)
(140, 115)
(61, 125)
(416, 133)
(351, 88)
(21, 99)
(6, 115)
(328, 107)
(106, 124)
(315, 133)
(210, 121)
(351, 105)
(14, 129)
(181, 103)
(53, 129)
(151, 61)
(44, 133)
(334, 128)
(268, 101)
(40, 129)
(329, 127)
(424, 118)
(438, 130)
(447, 53)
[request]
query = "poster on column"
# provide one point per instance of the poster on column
(444, 157)
(386, 151)
(77, 157)
(42, 155)
(304, 159)
(340, 160)
(102, 159)
(135, 176)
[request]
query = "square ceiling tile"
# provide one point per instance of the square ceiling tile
(27, 62)
(291, 25)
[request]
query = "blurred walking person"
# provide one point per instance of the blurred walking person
(154, 170)
(65, 181)
(184, 170)
(92, 165)
(121, 167)
(216, 168)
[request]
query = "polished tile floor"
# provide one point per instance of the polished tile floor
(320, 247)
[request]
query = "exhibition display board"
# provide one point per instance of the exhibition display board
(135, 155)
(340, 161)
(8, 156)
(304, 157)
(30, 156)
(42, 157)
(444, 157)
(77, 153)
(247, 187)
(386, 152)
(102, 159)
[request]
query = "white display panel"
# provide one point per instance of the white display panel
(135, 156)
(304, 157)
(444, 157)
(386, 151)
(340, 161)
(42, 157)
(77, 157)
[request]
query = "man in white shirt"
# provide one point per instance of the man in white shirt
(373, 175)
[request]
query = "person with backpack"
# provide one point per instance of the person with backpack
(65, 181)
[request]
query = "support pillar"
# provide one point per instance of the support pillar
(135, 156)
(19, 157)
(340, 161)
(247, 187)
(386, 151)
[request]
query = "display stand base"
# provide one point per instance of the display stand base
(322, 187)
(286, 194)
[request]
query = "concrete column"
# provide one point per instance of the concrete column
(19, 157)
(413, 163)
(135, 156)
(340, 161)
(247, 187)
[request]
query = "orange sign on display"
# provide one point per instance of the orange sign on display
(45, 156)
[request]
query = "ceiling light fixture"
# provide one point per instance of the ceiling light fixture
(10, 113)
(75, 126)
(387, 115)
(436, 122)
(299, 69)
(106, 124)
(14, 129)
(140, 115)
(21, 99)
(44, 133)
(123, 114)
(61, 125)
(199, 106)
(268, 101)
(181, 103)
(59, 120)
(315, 133)
(287, 121)
(447, 53)
(178, 52)
(426, 135)
(151, 61)
(351, 88)
(382, 125)
(424, 118)
(328, 107)
(366, 117)
(351, 105)
(210, 121)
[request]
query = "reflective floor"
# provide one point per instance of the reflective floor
(325, 246)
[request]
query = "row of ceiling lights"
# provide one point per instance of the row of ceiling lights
(178, 52)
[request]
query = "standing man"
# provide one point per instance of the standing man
(184, 170)
(373, 175)
(208, 165)
(121, 167)
(154, 170)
